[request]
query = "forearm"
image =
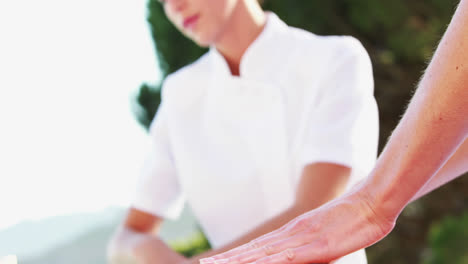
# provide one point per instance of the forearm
(137, 230)
(129, 246)
(432, 128)
(455, 166)
(122, 245)
(136, 226)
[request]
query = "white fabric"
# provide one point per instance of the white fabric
(234, 147)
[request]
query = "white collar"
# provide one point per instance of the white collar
(255, 59)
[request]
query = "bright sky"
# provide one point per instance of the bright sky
(68, 70)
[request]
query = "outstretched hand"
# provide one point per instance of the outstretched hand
(323, 235)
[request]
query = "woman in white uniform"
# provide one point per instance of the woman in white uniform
(272, 122)
(428, 148)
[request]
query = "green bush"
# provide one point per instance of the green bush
(448, 241)
(193, 245)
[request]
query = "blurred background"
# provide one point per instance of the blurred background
(79, 85)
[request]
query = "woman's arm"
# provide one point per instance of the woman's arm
(432, 129)
(135, 241)
(455, 166)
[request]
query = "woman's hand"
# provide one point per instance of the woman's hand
(153, 250)
(336, 229)
(129, 247)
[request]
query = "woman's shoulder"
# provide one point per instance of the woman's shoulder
(325, 44)
(188, 78)
(188, 73)
(309, 52)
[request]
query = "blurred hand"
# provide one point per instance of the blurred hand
(323, 235)
(128, 247)
(154, 251)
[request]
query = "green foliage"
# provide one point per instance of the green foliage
(193, 245)
(449, 241)
(148, 100)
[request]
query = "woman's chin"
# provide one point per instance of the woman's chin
(202, 42)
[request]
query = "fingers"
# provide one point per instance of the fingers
(228, 254)
(253, 245)
(300, 249)
(290, 235)
(313, 252)
(269, 249)
(239, 251)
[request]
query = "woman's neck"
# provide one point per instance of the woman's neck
(244, 26)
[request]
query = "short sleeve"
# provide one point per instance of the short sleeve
(158, 191)
(342, 127)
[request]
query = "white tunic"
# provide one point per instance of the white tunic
(234, 147)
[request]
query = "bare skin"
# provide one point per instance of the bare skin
(428, 148)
